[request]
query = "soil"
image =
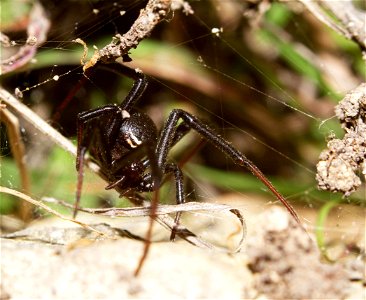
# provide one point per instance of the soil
(279, 260)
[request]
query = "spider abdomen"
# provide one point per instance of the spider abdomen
(137, 129)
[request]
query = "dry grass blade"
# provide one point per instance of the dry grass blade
(46, 208)
(162, 217)
(163, 209)
(22, 110)
(18, 150)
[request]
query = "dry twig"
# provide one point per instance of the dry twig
(154, 12)
(46, 208)
(343, 17)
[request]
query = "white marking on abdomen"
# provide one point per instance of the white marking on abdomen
(132, 140)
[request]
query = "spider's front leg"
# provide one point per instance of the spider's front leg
(85, 136)
(168, 138)
(139, 85)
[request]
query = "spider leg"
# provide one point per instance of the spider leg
(84, 138)
(138, 88)
(115, 183)
(173, 168)
(179, 193)
(181, 130)
(167, 137)
(154, 184)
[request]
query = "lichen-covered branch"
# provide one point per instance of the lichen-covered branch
(154, 12)
(338, 165)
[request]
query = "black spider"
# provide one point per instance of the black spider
(126, 145)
